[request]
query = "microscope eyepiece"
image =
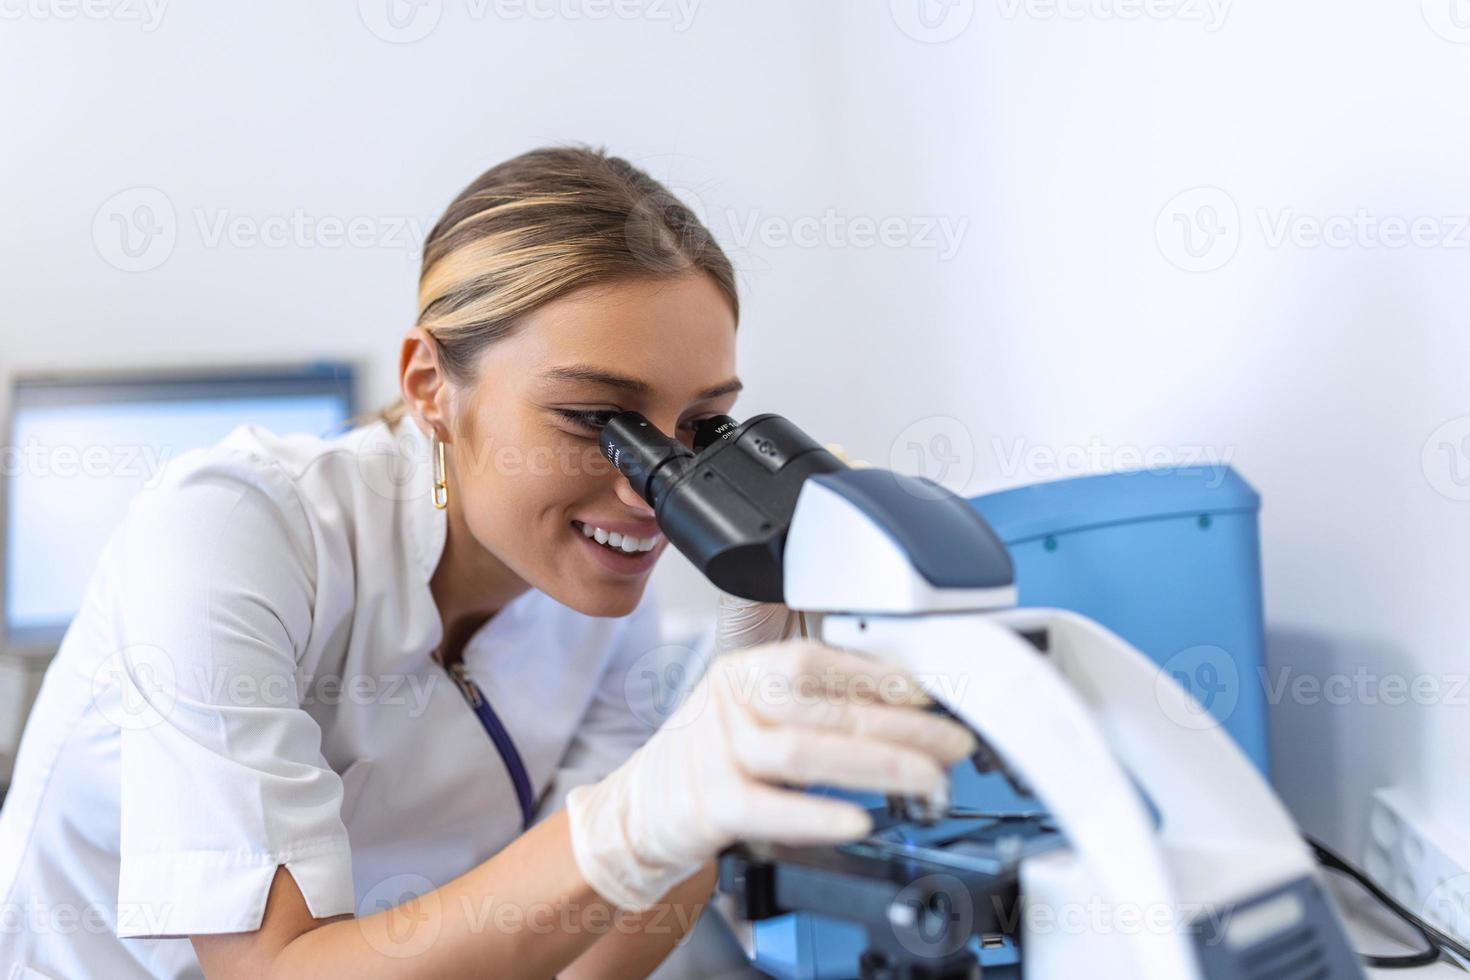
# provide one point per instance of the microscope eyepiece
(712, 429)
(649, 459)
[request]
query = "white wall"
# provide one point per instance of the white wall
(1049, 139)
(1321, 372)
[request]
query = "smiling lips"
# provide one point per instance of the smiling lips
(626, 543)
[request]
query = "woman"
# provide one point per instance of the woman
(249, 758)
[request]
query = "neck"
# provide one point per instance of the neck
(469, 585)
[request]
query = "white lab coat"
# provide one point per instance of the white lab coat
(249, 684)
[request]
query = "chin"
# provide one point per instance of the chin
(605, 601)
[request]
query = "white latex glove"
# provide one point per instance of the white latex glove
(742, 623)
(790, 713)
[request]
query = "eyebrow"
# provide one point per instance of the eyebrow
(588, 374)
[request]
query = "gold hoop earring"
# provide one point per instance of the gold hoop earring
(441, 474)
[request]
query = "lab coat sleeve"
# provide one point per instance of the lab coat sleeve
(223, 777)
(646, 677)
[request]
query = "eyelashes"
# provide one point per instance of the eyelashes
(592, 420)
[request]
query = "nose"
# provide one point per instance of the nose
(636, 504)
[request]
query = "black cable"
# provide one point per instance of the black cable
(1435, 941)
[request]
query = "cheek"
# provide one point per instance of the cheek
(518, 490)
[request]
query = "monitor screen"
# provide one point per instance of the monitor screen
(79, 448)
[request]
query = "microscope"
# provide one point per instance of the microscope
(1160, 853)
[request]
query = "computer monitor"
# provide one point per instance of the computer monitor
(79, 447)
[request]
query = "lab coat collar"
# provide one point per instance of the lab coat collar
(427, 528)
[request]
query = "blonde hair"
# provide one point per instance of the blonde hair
(539, 226)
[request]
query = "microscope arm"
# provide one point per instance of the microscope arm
(995, 681)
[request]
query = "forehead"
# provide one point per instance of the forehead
(678, 335)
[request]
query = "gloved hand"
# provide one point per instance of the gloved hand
(742, 623)
(787, 713)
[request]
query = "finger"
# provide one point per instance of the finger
(751, 622)
(810, 756)
(943, 738)
(798, 819)
(810, 669)
(838, 450)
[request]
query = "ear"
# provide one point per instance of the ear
(424, 384)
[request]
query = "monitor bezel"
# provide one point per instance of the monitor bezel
(313, 377)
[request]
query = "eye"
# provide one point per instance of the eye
(590, 419)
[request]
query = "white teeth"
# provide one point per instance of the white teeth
(626, 543)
